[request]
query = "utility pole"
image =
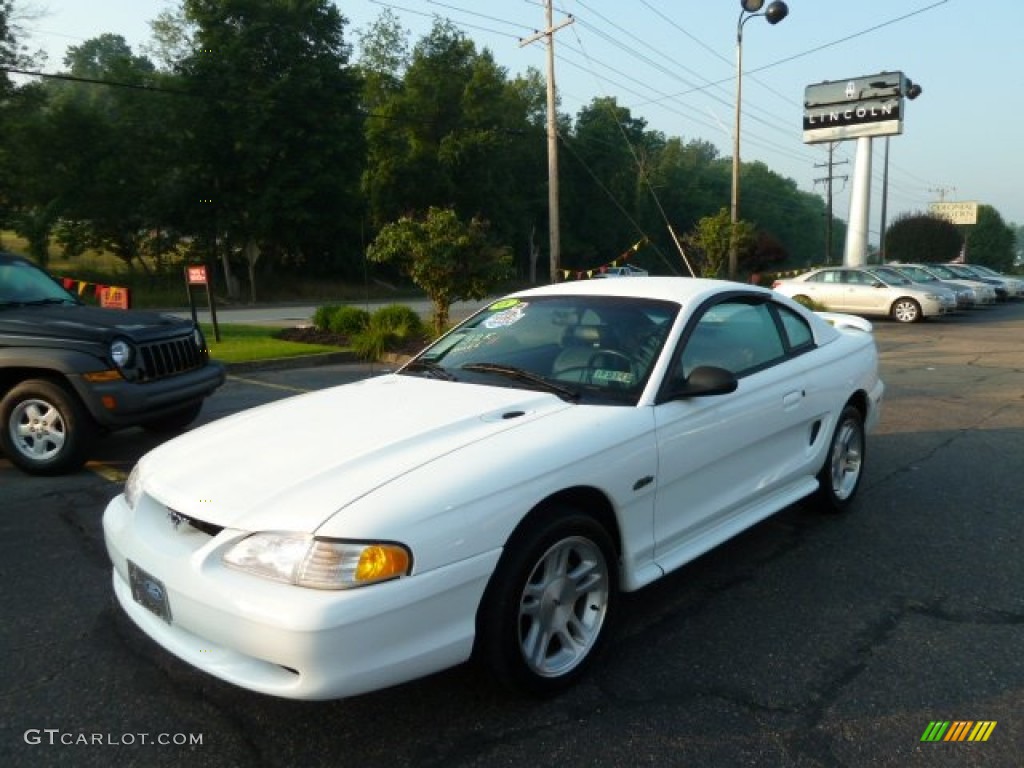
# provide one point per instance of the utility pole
(885, 204)
(553, 222)
(828, 196)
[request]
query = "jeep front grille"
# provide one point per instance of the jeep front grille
(169, 358)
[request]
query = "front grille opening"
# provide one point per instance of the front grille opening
(162, 359)
(209, 529)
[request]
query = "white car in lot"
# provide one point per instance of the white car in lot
(1014, 285)
(492, 497)
(984, 292)
(966, 296)
(869, 291)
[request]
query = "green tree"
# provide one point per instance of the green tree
(383, 59)
(275, 134)
(117, 187)
(709, 244)
(446, 257)
(12, 55)
(607, 156)
(991, 241)
(448, 129)
(922, 237)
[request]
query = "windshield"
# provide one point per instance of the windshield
(581, 348)
(963, 271)
(943, 272)
(918, 275)
(983, 270)
(892, 277)
(22, 283)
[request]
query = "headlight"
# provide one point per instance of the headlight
(122, 353)
(133, 487)
(198, 338)
(301, 559)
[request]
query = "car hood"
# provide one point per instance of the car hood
(70, 321)
(293, 464)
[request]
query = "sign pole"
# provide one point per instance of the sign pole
(195, 274)
(856, 254)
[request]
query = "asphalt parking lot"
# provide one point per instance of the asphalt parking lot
(806, 641)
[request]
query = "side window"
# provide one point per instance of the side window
(734, 335)
(798, 333)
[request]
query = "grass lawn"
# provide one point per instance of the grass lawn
(246, 343)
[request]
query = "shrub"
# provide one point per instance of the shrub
(348, 320)
(399, 319)
(811, 304)
(341, 318)
(389, 328)
(322, 316)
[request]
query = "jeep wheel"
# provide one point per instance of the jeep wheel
(45, 430)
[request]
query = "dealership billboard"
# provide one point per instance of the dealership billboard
(957, 213)
(859, 106)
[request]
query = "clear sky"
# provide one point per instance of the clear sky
(672, 63)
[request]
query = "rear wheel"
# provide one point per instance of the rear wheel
(906, 311)
(839, 479)
(45, 429)
(544, 613)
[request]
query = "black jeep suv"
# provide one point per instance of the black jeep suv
(69, 372)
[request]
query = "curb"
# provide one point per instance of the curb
(299, 361)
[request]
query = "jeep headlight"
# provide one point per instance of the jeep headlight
(306, 561)
(122, 353)
(199, 339)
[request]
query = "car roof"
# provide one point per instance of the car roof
(682, 290)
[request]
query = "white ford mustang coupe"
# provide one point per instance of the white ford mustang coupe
(492, 497)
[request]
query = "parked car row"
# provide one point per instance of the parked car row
(905, 292)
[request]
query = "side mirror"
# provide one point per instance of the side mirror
(705, 380)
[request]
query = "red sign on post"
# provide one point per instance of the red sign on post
(196, 274)
(114, 297)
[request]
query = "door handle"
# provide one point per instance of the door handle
(792, 399)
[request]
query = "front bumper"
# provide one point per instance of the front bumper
(284, 640)
(118, 404)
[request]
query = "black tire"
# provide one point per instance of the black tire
(545, 612)
(906, 310)
(175, 421)
(840, 476)
(44, 429)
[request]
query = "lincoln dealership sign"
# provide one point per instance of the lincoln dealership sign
(859, 106)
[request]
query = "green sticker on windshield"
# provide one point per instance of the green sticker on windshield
(503, 304)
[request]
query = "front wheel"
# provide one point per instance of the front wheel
(906, 311)
(45, 430)
(544, 613)
(839, 478)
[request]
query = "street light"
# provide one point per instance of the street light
(774, 13)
